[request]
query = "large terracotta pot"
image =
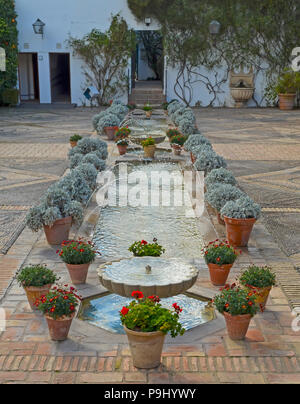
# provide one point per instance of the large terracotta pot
(36, 292)
(59, 231)
(110, 132)
(122, 149)
(59, 328)
(286, 101)
(237, 326)
(219, 273)
(238, 230)
(262, 295)
(73, 143)
(149, 151)
(148, 114)
(78, 273)
(146, 348)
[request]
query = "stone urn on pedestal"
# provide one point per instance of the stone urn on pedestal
(241, 87)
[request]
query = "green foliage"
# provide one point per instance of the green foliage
(173, 132)
(75, 138)
(105, 55)
(147, 108)
(9, 42)
(59, 302)
(219, 252)
(259, 277)
(36, 275)
(122, 133)
(148, 315)
(236, 301)
(242, 208)
(145, 249)
(178, 139)
(77, 252)
(148, 142)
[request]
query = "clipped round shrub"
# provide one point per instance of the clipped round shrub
(96, 118)
(107, 121)
(74, 209)
(75, 160)
(221, 176)
(118, 109)
(90, 145)
(177, 114)
(173, 106)
(218, 195)
(76, 186)
(202, 148)
(187, 127)
(89, 173)
(92, 158)
(208, 160)
(195, 140)
(242, 208)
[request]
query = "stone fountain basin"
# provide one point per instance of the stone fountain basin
(139, 138)
(169, 277)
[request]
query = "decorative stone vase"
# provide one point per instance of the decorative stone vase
(73, 143)
(36, 292)
(122, 149)
(78, 273)
(241, 95)
(176, 149)
(149, 151)
(238, 230)
(237, 326)
(148, 114)
(110, 132)
(219, 273)
(59, 328)
(286, 101)
(261, 297)
(146, 348)
(59, 231)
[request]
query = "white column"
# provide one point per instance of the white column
(44, 78)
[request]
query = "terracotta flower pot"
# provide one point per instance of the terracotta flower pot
(110, 132)
(237, 326)
(193, 158)
(59, 231)
(148, 114)
(78, 273)
(36, 292)
(122, 149)
(73, 143)
(238, 230)
(59, 328)
(220, 219)
(286, 101)
(219, 273)
(262, 296)
(176, 149)
(146, 348)
(149, 151)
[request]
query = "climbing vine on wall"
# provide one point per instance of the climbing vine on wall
(9, 42)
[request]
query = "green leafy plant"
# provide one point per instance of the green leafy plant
(36, 275)
(122, 133)
(178, 139)
(148, 142)
(60, 302)
(148, 315)
(220, 253)
(147, 107)
(145, 249)
(75, 138)
(172, 132)
(236, 301)
(77, 252)
(242, 208)
(219, 194)
(288, 82)
(122, 142)
(258, 277)
(164, 106)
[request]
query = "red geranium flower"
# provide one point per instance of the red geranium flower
(124, 311)
(143, 242)
(137, 294)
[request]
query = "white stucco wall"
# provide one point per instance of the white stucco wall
(64, 18)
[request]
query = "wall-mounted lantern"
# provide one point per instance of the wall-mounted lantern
(38, 27)
(214, 28)
(148, 21)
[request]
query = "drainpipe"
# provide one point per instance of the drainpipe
(165, 75)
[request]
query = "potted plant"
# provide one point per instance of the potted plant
(59, 308)
(55, 215)
(220, 176)
(261, 279)
(78, 256)
(286, 88)
(146, 324)
(208, 160)
(148, 110)
(240, 216)
(195, 140)
(219, 194)
(145, 249)
(172, 132)
(36, 281)
(219, 257)
(74, 139)
(149, 147)
(238, 307)
(108, 124)
(122, 145)
(122, 133)
(177, 143)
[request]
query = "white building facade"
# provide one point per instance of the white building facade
(48, 71)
